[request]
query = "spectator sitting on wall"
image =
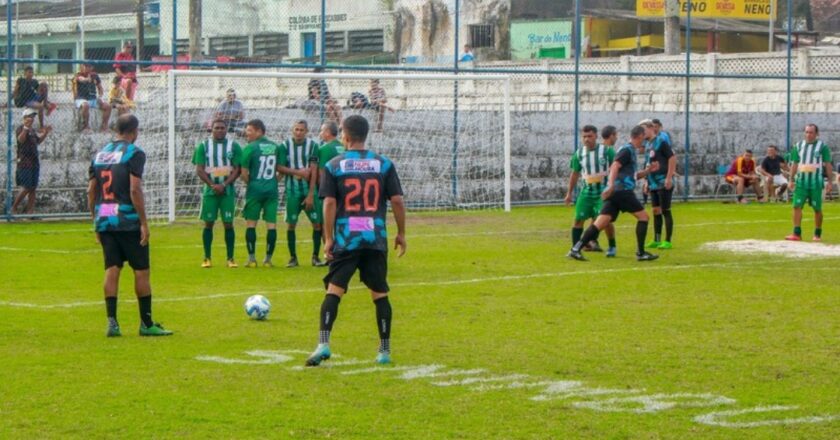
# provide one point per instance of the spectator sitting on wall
(127, 73)
(28, 92)
(28, 163)
(468, 56)
(87, 89)
(118, 99)
(741, 174)
(773, 167)
(378, 102)
(231, 111)
(319, 98)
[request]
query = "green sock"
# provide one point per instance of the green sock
(316, 242)
(251, 242)
(230, 239)
(612, 242)
(290, 239)
(207, 238)
(271, 240)
(797, 230)
(576, 234)
(818, 232)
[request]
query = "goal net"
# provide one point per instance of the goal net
(448, 135)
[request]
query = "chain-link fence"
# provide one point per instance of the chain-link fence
(80, 63)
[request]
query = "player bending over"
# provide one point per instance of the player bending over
(809, 158)
(620, 197)
(356, 188)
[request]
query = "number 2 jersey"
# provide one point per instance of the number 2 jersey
(362, 182)
(112, 168)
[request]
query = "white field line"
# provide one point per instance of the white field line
(397, 285)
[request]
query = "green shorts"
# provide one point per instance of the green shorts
(813, 196)
(211, 205)
(587, 206)
(253, 206)
(294, 205)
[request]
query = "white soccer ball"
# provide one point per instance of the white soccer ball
(257, 307)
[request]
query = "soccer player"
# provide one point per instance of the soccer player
(216, 162)
(356, 188)
(330, 146)
(299, 163)
(660, 184)
(619, 196)
(809, 158)
(115, 198)
(592, 161)
(259, 172)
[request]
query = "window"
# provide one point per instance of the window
(367, 41)
(233, 46)
(272, 45)
(482, 35)
(334, 42)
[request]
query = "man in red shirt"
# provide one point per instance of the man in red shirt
(126, 72)
(742, 174)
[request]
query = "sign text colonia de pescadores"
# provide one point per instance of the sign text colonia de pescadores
(740, 9)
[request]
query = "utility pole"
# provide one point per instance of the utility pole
(195, 30)
(141, 36)
(672, 27)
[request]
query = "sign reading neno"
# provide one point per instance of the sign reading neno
(740, 9)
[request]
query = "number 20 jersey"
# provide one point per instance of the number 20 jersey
(112, 168)
(362, 182)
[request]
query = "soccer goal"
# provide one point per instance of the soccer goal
(449, 135)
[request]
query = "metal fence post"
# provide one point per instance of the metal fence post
(578, 31)
(455, 106)
(687, 103)
(9, 107)
(788, 110)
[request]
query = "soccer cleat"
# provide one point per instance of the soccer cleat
(293, 262)
(206, 264)
(594, 246)
(383, 358)
(321, 353)
(576, 255)
(653, 244)
(646, 256)
(665, 245)
(793, 237)
(317, 261)
(611, 252)
(232, 264)
(267, 263)
(251, 263)
(113, 330)
(155, 330)
(816, 238)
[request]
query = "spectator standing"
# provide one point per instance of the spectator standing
(87, 89)
(28, 163)
(378, 102)
(127, 73)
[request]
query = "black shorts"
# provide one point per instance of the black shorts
(119, 247)
(661, 198)
(621, 201)
(27, 177)
(372, 265)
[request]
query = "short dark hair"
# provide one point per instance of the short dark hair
(28, 68)
(773, 147)
(219, 121)
(748, 150)
(356, 127)
(332, 127)
(608, 131)
(817, 129)
(637, 131)
(656, 122)
(127, 124)
(590, 129)
(301, 121)
(257, 123)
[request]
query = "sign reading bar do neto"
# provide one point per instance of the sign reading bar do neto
(740, 9)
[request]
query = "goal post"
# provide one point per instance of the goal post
(425, 121)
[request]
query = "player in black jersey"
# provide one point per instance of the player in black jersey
(357, 186)
(115, 198)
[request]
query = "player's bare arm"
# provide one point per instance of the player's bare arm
(608, 191)
(672, 170)
(245, 175)
(201, 171)
(572, 184)
(139, 202)
(309, 201)
(398, 206)
(329, 225)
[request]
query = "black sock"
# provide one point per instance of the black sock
(145, 303)
(329, 311)
(271, 242)
(207, 239)
(290, 240)
(612, 241)
(588, 235)
(669, 224)
(740, 197)
(576, 234)
(230, 240)
(383, 323)
(111, 307)
(251, 242)
(641, 233)
(657, 227)
(316, 242)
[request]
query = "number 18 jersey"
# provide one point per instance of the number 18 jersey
(362, 182)
(261, 158)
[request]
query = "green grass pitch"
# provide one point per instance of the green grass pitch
(496, 335)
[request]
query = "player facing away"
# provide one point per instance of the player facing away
(809, 158)
(259, 172)
(299, 164)
(216, 161)
(592, 162)
(115, 198)
(356, 188)
(619, 196)
(660, 183)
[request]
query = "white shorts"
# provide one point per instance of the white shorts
(94, 103)
(779, 180)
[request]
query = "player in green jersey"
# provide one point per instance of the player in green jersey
(330, 145)
(259, 172)
(592, 163)
(299, 165)
(216, 161)
(809, 158)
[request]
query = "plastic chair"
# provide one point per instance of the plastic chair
(722, 183)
